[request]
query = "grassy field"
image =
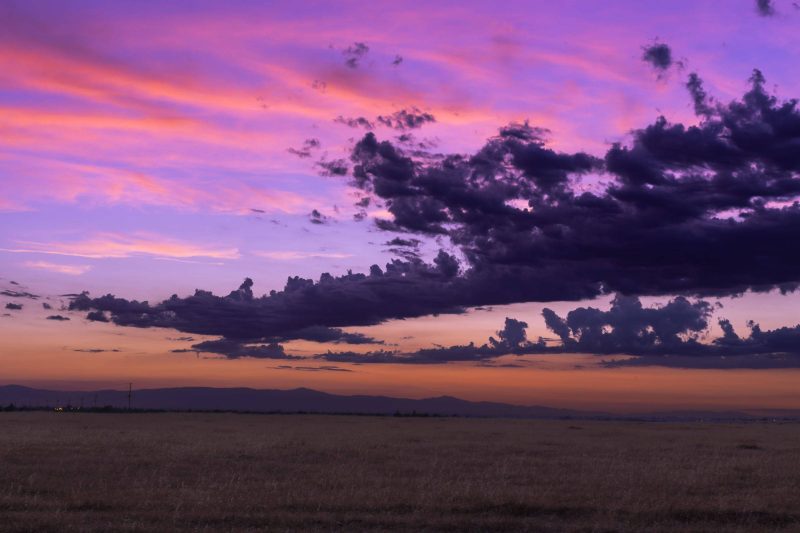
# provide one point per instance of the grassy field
(160, 472)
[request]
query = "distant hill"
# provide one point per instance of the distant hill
(267, 400)
(312, 401)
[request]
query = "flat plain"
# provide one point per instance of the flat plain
(232, 472)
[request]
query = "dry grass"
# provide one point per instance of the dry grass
(157, 472)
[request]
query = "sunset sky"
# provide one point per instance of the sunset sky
(581, 204)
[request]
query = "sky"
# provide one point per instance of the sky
(576, 204)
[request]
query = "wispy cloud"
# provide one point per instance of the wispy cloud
(294, 255)
(7, 205)
(72, 270)
(190, 261)
(107, 185)
(114, 245)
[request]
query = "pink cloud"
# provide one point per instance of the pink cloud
(6, 205)
(68, 182)
(295, 255)
(115, 245)
(72, 270)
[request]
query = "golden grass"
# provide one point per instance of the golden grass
(163, 472)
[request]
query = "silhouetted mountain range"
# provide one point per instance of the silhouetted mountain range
(312, 401)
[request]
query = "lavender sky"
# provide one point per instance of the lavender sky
(152, 149)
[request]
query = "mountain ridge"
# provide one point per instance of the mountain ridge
(305, 400)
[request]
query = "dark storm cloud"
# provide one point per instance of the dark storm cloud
(512, 335)
(19, 294)
(13, 307)
(708, 209)
(305, 150)
(659, 55)
(406, 119)
(399, 241)
(233, 349)
(96, 316)
(354, 54)
(402, 120)
(512, 339)
(780, 340)
(702, 102)
(59, 318)
(714, 361)
(322, 368)
(417, 148)
(315, 217)
(765, 8)
(630, 328)
(407, 254)
(301, 310)
(670, 335)
(326, 334)
(336, 167)
(667, 335)
(354, 122)
(723, 190)
(378, 356)
(407, 249)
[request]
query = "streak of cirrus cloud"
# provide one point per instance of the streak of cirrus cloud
(109, 245)
(72, 270)
(97, 184)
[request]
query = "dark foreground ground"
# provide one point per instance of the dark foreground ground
(162, 472)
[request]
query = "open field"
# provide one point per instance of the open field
(169, 471)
